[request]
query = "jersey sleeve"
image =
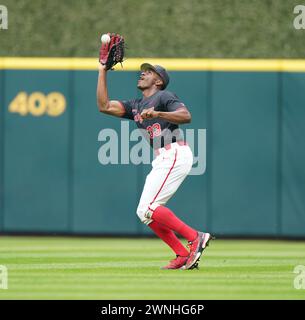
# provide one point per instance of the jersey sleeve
(128, 105)
(171, 102)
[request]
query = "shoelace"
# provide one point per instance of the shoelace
(190, 245)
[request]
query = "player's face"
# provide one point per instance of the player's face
(148, 79)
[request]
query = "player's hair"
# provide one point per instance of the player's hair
(161, 86)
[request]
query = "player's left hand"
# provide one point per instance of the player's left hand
(112, 51)
(149, 113)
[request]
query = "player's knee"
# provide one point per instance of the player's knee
(144, 213)
(140, 213)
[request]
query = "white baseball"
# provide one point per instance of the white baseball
(105, 38)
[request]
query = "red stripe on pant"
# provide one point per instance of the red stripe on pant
(170, 170)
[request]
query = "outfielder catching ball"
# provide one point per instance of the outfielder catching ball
(159, 112)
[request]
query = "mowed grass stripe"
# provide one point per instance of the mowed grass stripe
(97, 268)
(151, 296)
(236, 266)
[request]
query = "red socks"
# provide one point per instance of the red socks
(169, 237)
(167, 218)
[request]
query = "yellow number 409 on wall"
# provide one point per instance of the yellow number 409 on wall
(38, 104)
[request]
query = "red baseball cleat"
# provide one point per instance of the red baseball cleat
(196, 247)
(176, 263)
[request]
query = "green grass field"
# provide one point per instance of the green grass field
(97, 268)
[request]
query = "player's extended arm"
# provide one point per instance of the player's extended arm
(112, 107)
(179, 116)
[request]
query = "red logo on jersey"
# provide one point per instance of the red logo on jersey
(154, 130)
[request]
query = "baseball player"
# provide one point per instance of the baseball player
(159, 112)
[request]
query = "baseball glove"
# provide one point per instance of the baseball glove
(112, 52)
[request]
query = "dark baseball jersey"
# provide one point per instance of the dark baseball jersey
(160, 131)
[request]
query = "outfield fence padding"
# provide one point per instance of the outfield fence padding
(51, 180)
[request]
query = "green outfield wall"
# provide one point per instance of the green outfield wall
(51, 180)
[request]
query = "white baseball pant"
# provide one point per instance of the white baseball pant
(171, 166)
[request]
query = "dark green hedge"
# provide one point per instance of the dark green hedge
(159, 28)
